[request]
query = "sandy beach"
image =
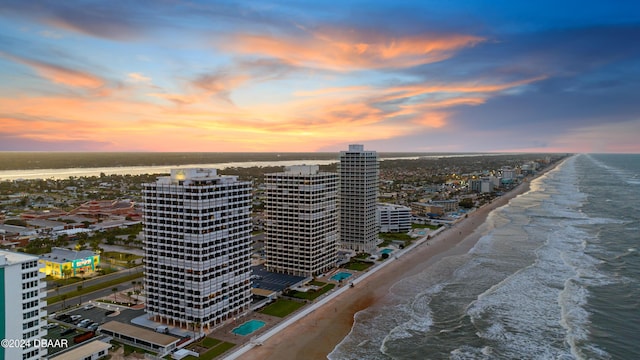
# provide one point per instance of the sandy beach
(317, 334)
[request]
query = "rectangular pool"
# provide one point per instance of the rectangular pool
(248, 327)
(340, 276)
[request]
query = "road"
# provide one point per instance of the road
(77, 300)
(51, 289)
(93, 295)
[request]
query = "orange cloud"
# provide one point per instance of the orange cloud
(408, 91)
(433, 119)
(59, 74)
(339, 52)
(306, 121)
(137, 77)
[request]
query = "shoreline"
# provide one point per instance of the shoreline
(316, 334)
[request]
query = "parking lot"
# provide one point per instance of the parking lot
(69, 321)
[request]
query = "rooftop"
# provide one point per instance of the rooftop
(83, 351)
(139, 333)
(10, 257)
(264, 279)
(60, 254)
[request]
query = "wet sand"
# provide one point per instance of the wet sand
(317, 334)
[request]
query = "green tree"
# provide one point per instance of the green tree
(95, 245)
(66, 271)
(80, 245)
(466, 203)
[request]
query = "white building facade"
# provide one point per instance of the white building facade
(394, 218)
(359, 175)
(197, 228)
(23, 306)
(301, 221)
(483, 185)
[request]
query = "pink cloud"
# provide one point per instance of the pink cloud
(60, 74)
(350, 50)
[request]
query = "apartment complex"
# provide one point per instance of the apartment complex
(484, 184)
(394, 218)
(197, 248)
(22, 304)
(359, 173)
(301, 221)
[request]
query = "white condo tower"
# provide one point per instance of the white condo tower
(359, 173)
(197, 248)
(23, 306)
(301, 221)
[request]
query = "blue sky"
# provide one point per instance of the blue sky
(458, 76)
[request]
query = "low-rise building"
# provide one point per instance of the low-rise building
(393, 218)
(104, 208)
(447, 205)
(61, 263)
(482, 185)
(43, 214)
(139, 337)
(15, 234)
(93, 350)
(426, 209)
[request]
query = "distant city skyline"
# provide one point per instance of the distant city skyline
(413, 76)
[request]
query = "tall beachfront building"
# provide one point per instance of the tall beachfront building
(359, 172)
(23, 306)
(301, 221)
(197, 227)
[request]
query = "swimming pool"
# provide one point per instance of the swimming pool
(386, 251)
(248, 327)
(340, 276)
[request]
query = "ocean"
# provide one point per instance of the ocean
(556, 275)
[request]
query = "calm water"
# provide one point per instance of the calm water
(556, 276)
(64, 173)
(139, 170)
(162, 169)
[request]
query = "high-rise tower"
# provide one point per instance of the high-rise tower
(301, 221)
(22, 305)
(359, 173)
(197, 247)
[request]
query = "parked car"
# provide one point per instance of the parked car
(84, 323)
(93, 327)
(76, 317)
(50, 326)
(63, 317)
(89, 306)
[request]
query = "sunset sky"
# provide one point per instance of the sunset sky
(423, 76)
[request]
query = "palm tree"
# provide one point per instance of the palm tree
(114, 290)
(79, 289)
(66, 271)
